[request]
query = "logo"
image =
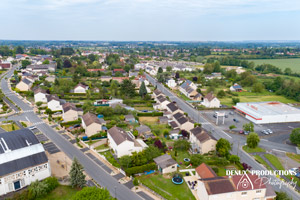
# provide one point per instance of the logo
(245, 183)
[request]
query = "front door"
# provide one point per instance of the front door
(17, 185)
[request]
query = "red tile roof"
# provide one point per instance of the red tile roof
(204, 171)
(248, 182)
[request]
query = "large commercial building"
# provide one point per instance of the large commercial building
(22, 160)
(268, 112)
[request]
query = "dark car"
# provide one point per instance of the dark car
(235, 120)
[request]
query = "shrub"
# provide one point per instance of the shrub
(52, 183)
(216, 170)
(140, 169)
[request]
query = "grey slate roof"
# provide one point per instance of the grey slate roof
(23, 163)
(26, 81)
(201, 134)
(17, 139)
(90, 118)
(164, 161)
(143, 129)
(172, 107)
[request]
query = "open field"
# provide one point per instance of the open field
(10, 127)
(293, 156)
(148, 119)
(293, 63)
(262, 161)
(166, 188)
(255, 150)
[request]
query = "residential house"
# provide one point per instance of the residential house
(246, 187)
(24, 85)
(71, 112)
(175, 134)
(168, 114)
(135, 74)
(54, 103)
(81, 88)
(22, 160)
(201, 141)
(5, 65)
(120, 79)
(39, 68)
(129, 118)
(144, 131)
(40, 95)
(183, 122)
(210, 101)
(171, 83)
(165, 164)
(92, 124)
(162, 100)
(173, 125)
(236, 88)
(173, 108)
(122, 71)
(123, 143)
(198, 97)
(50, 78)
(187, 84)
(156, 93)
(214, 75)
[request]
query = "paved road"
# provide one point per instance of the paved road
(92, 169)
(236, 140)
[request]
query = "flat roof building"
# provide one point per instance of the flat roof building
(268, 112)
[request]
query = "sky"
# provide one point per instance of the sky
(150, 20)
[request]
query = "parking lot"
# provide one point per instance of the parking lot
(281, 131)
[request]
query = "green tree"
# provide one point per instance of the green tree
(282, 196)
(37, 189)
(125, 161)
(19, 50)
(92, 193)
(46, 62)
(248, 127)
(223, 147)
(151, 152)
(77, 178)
(128, 88)
(197, 159)
(232, 127)
(182, 145)
(160, 70)
(258, 87)
(169, 68)
(235, 100)
(113, 88)
(295, 136)
(253, 140)
(143, 90)
(135, 182)
(25, 63)
(221, 94)
(234, 159)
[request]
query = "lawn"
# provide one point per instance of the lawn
(293, 63)
(102, 146)
(261, 161)
(255, 150)
(158, 129)
(293, 156)
(275, 161)
(180, 156)
(62, 192)
(143, 108)
(166, 188)
(109, 157)
(10, 127)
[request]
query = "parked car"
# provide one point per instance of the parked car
(76, 126)
(31, 127)
(242, 131)
(235, 120)
(270, 131)
(265, 132)
(231, 113)
(215, 115)
(247, 132)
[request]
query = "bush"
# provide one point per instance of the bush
(216, 170)
(142, 114)
(71, 123)
(140, 169)
(52, 183)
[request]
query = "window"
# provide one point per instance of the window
(173, 166)
(258, 191)
(244, 193)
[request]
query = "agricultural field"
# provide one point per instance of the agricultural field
(293, 63)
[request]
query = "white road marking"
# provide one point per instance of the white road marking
(37, 123)
(279, 150)
(226, 134)
(27, 119)
(264, 140)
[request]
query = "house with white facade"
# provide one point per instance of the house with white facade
(183, 122)
(54, 103)
(162, 101)
(171, 83)
(40, 95)
(24, 85)
(210, 101)
(123, 142)
(22, 160)
(80, 88)
(92, 124)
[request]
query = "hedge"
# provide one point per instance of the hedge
(152, 114)
(128, 101)
(140, 169)
(71, 122)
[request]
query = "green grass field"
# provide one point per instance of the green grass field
(166, 188)
(293, 63)
(263, 162)
(255, 150)
(275, 161)
(9, 127)
(62, 192)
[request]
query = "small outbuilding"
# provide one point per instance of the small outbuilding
(166, 164)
